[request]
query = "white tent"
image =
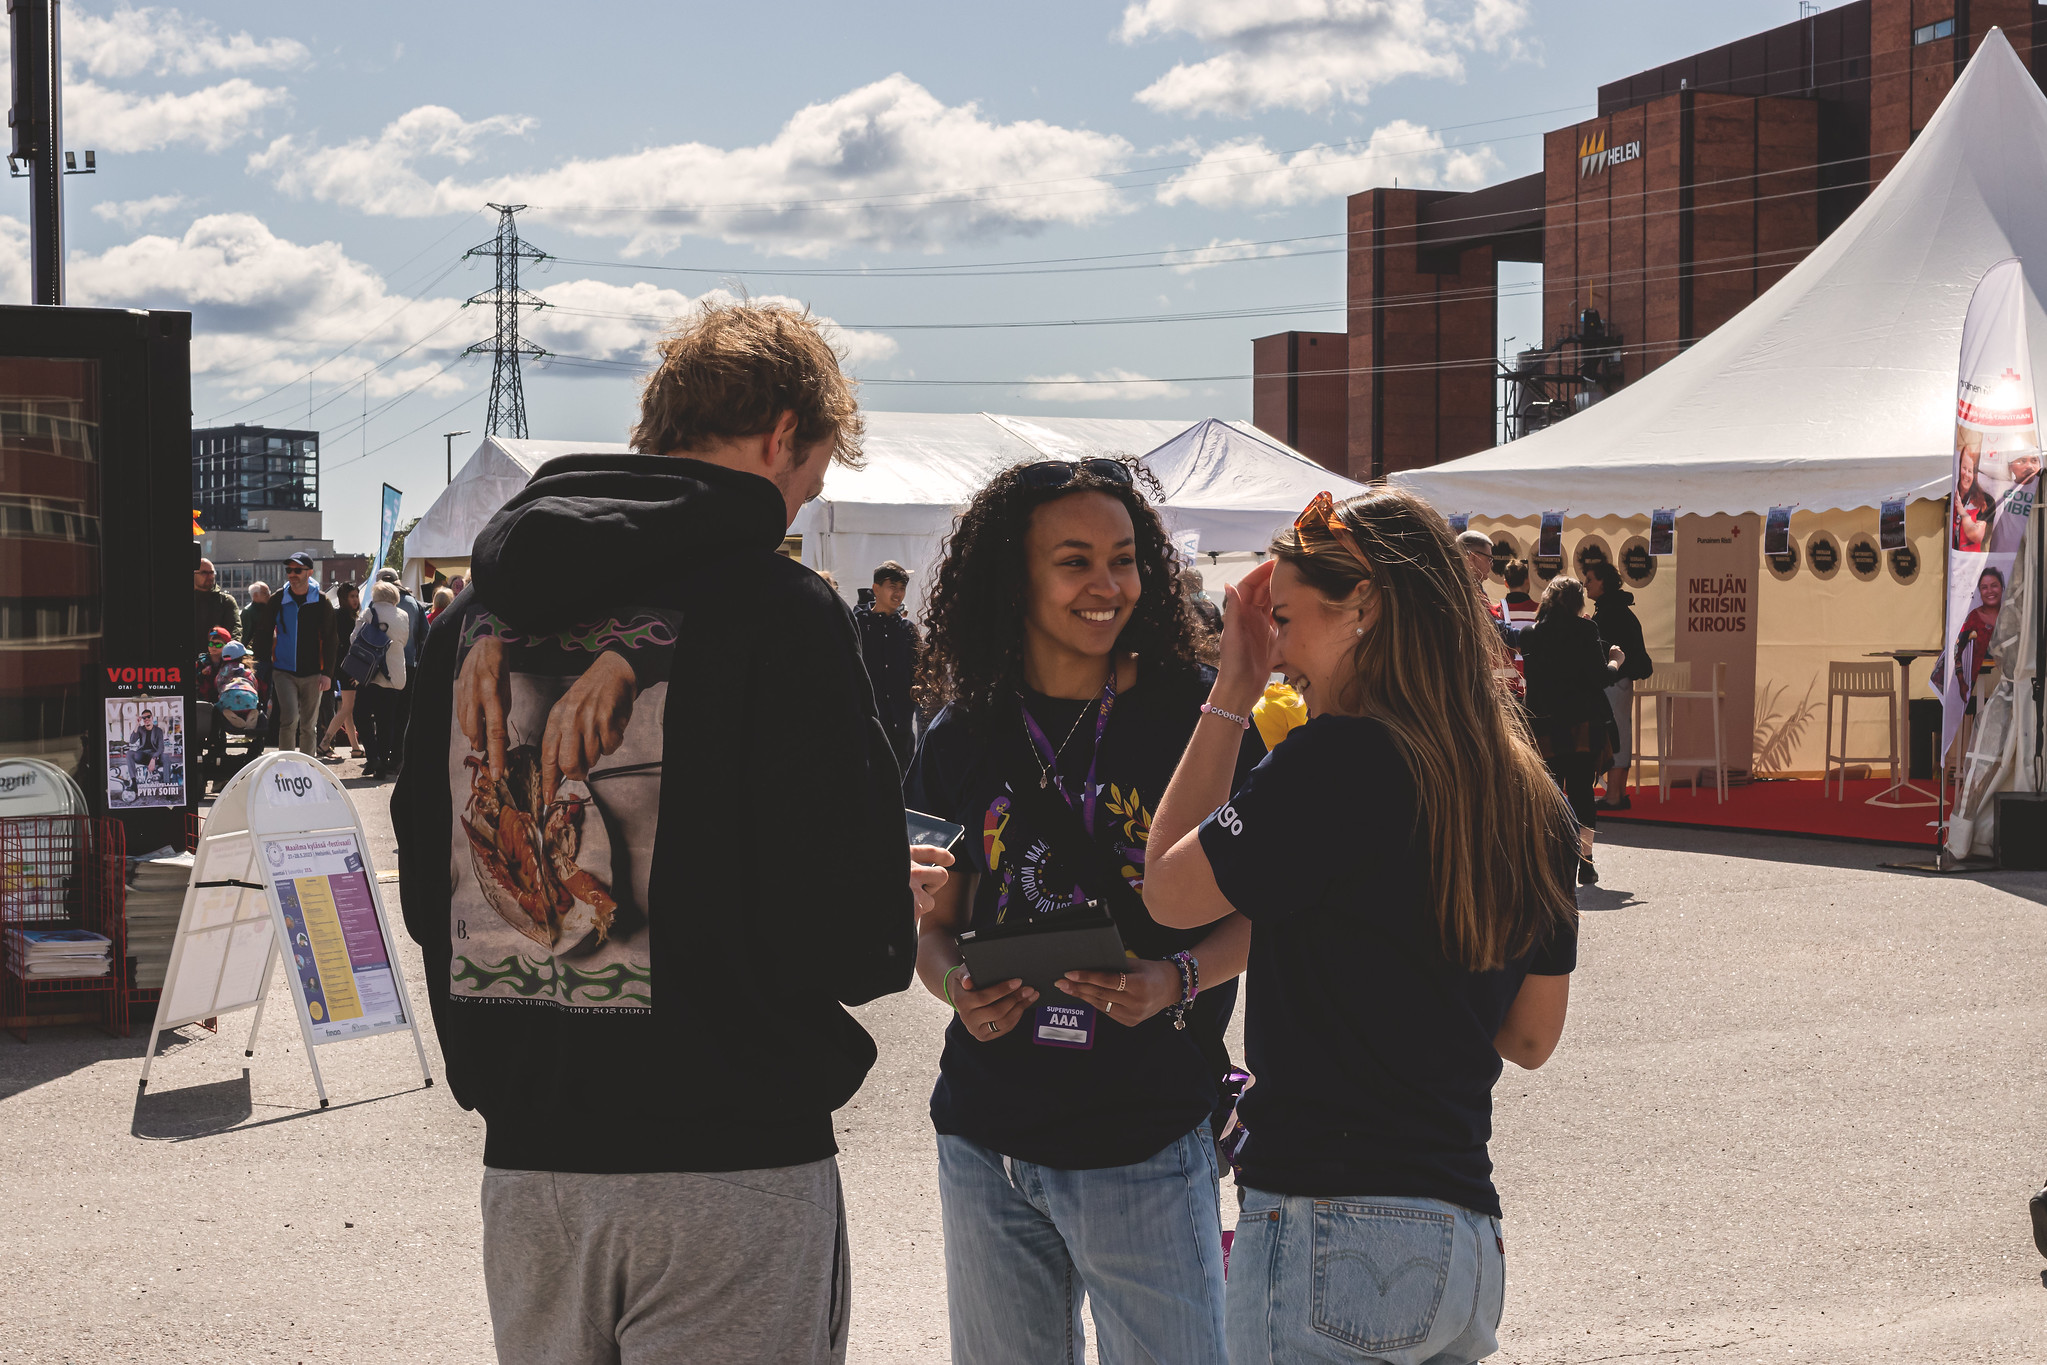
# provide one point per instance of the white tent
(1836, 388)
(1228, 482)
(485, 482)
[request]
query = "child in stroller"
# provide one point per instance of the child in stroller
(231, 701)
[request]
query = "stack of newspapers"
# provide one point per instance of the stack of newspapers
(156, 893)
(58, 952)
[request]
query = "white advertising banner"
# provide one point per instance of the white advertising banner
(1996, 478)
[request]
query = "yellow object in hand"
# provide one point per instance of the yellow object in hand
(1278, 714)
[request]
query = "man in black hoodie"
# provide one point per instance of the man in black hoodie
(641, 916)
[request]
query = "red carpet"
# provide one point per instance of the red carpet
(1788, 808)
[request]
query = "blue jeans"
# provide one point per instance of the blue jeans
(1023, 1242)
(1362, 1278)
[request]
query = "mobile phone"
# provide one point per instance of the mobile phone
(929, 829)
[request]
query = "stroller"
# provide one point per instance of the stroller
(239, 708)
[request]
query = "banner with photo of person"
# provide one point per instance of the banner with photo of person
(1996, 479)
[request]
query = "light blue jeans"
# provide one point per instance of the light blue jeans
(1024, 1242)
(1361, 1278)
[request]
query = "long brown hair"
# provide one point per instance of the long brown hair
(1494, 824)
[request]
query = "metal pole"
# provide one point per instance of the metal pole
(38, 138)
(449, 437)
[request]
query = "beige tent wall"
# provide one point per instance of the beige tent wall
(1806, 620)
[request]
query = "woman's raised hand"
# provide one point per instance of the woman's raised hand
(1250, 642)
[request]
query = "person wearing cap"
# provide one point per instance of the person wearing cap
(888, 644)
(301, 646)
(212, 609)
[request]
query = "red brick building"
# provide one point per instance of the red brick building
(1695, 188)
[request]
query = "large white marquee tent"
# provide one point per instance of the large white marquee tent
(1227, 482)
(1830, 394)
(1836, 388)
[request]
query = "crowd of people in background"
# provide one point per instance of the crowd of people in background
(286, 670)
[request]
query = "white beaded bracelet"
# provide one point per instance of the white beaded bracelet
(1243, 722)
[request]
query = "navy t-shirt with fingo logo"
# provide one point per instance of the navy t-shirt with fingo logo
(1130, 1091)
(1373, 1053)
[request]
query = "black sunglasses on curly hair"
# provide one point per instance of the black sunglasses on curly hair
(1058, 473)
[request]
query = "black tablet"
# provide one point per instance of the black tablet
(1041, 955)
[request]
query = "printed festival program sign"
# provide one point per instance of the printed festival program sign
(335, 947)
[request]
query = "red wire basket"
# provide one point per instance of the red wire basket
(63, 872)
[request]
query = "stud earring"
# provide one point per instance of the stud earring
(1359, 631)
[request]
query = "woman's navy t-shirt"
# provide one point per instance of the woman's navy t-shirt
(1373, 1053)
(1136, 1090)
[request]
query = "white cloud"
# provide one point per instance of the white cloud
(129, 42)
(1308, 54)
(1216, 252)
(109, 120)
(15, 276)
(265, 308)
(620, 322)
(132, 42)
(1102, 386)
(133, 213)
(1244, 172)
(886, 166)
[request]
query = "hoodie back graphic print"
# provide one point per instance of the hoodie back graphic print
(550, 872)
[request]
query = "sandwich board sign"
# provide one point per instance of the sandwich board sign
(283, 871)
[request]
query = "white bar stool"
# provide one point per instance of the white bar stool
(1669, 684)
(1858, 679)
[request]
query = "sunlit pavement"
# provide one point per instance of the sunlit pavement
(1796, 1116)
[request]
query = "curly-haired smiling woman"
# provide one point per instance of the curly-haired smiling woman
(1074, 1149)
(1403, 857)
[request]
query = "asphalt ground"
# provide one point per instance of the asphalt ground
(1795, 1116)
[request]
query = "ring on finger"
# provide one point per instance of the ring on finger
(991, 1027)
(1110, 1007)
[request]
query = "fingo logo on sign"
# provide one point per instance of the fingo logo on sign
(1594, 157)
(293, 784)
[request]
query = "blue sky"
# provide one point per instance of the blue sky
(305, 178)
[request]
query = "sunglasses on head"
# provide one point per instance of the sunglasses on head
(1319, 517)
(1058, 473)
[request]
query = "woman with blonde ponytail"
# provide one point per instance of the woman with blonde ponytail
(1405, 863)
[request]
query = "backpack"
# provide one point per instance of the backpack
(366, 649)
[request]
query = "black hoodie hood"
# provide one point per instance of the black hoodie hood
(1613, 600)
(593, 528)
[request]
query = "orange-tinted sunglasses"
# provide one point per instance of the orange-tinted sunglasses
(1320, 515)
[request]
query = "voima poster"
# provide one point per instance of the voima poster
(1996, 477)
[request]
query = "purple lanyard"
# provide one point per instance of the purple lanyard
(1050, 756)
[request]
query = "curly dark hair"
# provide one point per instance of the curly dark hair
(973, 652)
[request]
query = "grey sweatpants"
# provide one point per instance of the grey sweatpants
(722, 1268)
(298, 709)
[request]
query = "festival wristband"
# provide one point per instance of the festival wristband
(945, 985)
(1242, 722)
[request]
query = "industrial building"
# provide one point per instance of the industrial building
(1698, 185)
(256, 496)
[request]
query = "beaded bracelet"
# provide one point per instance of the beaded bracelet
(1190, 986)
(1242, 722)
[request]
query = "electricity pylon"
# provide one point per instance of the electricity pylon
(507, 416)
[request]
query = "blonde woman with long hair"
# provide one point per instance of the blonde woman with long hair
(1404, 860)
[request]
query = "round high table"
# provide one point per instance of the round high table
(1902, 793)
